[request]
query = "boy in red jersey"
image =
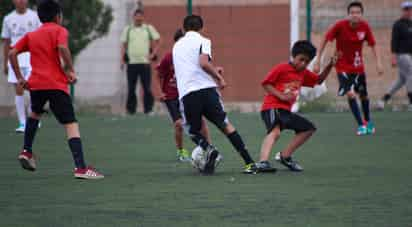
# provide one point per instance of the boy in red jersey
(48, 83)
(170, 97)
(350, 34)
(282, 86)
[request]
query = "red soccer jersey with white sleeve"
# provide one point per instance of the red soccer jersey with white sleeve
(285, 78)
(349, 42)
(47, 73)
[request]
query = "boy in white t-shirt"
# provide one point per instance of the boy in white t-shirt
(15, 25)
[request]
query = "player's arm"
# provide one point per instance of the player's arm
(376, 54)
(323, 44)
(280, 95)
(6, 50)
(324, 74)
(14, 62)
(68, 62)
(212, 70)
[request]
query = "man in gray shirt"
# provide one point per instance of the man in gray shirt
(402, 53)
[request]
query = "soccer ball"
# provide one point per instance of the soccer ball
(198, 158)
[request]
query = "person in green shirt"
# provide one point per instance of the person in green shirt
(140, 45)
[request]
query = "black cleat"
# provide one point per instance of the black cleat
(291, 164)
(212, 155)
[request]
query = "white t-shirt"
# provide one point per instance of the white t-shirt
(15, 26)
(189, 74)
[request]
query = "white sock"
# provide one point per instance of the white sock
(21, 111)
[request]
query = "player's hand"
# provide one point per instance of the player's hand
(71, 75)
(220, 70)
(379, 67)
(287, 97)
(394, 61)
(316, 66)
(222, 83)
(22, 82)
(162, 96)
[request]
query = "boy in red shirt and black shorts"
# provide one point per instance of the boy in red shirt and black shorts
(282, 86)
(170, 97)
(49, 83)
(350, 35)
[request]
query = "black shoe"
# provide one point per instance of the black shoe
(265, 166)
(291, 164)
(212, 155)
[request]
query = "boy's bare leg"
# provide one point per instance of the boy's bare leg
(268, 142)
(178, 134)
(296, 142)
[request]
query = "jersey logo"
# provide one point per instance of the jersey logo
(361, 35)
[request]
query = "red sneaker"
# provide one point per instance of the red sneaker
(87, 173)
(27, 161)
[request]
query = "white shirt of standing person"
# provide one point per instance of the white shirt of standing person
(189, 74)
(15, 26)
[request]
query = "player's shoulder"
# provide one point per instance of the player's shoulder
(10, 16)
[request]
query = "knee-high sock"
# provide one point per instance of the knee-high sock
(30, 133)
(365, 108)
(353, 104)
(75, 145)
(237, 142)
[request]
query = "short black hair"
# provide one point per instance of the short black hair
(48, 10)
(355, 4)
(178, 34)
(304, 47)
(138, 11)
(193, 23)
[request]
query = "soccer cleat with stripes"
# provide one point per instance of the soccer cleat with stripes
(88, 173)
(291, 164)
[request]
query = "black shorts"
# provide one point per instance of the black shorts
(59, 101)
(353, 81)
(286, 120)
(173, 108)
(204, 102)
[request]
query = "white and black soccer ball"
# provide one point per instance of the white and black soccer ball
(198, 158)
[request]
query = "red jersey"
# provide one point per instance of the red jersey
(349, 41)
(285, 78)
(47, 72)
(167, 73)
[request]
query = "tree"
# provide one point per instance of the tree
(86, 20)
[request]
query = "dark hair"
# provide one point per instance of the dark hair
(178, 34)
(304, 47)
(193, 23)
(138, 11)
(355, 4)
(48, 10)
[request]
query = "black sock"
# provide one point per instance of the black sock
(75, 145)
(365, 108)
(410, 97)
(355, 110)
(30, 133)
(200, 140)
(237, 142)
